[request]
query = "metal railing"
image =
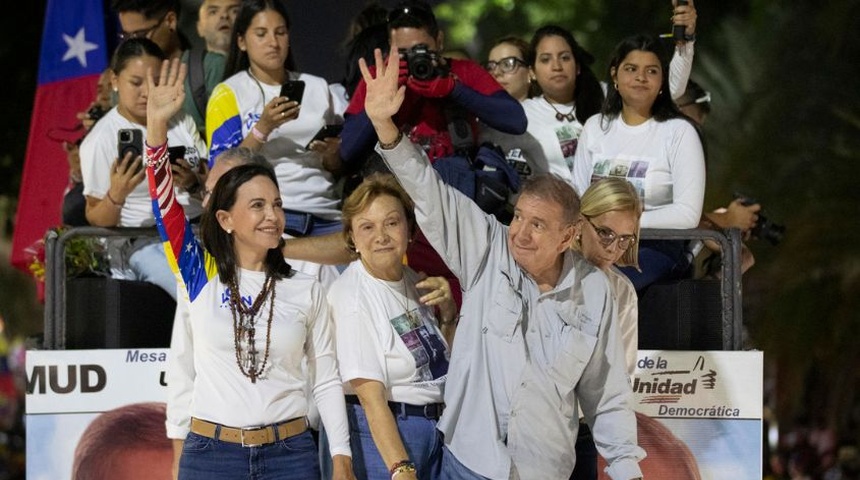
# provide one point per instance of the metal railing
(55, 276)
(55, 283)
(730, 275)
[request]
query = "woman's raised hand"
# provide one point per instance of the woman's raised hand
(384, 95)
(165, 94)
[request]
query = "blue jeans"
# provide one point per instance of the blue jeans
(659, 260)
(452, 469)
(586, 455)
(300, 224)
(149, 264)
(422, 441)
(292, 458)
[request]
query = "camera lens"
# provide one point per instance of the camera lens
(125, 136)
(422, 69)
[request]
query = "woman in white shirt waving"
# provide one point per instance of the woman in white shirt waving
(237, 403)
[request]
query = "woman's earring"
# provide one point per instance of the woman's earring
(229, 231)
(616, 85)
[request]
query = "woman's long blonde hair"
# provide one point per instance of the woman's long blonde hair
(613, 195)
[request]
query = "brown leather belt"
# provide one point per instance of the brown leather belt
(252, 436)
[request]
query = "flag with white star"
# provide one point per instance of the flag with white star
(72, 56)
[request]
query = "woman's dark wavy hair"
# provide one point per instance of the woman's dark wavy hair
(134, 48)
(664, 108)
(362, 46)
(587, 93)
(217, 242)
(237, 60)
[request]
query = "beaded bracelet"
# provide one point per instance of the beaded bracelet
(259, 135)
(392, 144)
(402, 466)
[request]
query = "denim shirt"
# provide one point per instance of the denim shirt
(523, 362)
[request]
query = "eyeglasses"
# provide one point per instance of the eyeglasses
(144, 33)
(506, 65)
(607, 237)
(422, 15)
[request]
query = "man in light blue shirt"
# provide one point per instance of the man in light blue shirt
(537, 344)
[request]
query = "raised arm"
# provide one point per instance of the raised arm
(454, 225)
(682, 61)
(165, 100)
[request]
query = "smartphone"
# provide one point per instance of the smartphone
(679, 31)
(130, 140)
(175, 153)
(293, 90)
(327, 131)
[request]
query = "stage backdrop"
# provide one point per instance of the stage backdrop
(698, 411)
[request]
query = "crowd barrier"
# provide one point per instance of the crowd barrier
(101, 319)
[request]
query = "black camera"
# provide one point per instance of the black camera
(423, 63)
(95, 112)
(764, 227)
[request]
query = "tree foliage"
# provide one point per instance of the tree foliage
(785, 129)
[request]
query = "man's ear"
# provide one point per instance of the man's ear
(171, 20)
(567, 236)
(440, 41)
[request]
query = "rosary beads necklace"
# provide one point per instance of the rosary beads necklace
(243, 326)
(569, 116)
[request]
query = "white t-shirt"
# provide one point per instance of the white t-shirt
(663, 160)
(99, 152)
(549, 145)
(384, 334)
(235, 107)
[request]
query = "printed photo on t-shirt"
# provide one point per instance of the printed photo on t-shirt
(568, 138)
(632, 170)
(426, 346)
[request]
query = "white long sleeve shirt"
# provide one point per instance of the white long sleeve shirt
(663, 160)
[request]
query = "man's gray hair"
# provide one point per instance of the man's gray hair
(551, 187)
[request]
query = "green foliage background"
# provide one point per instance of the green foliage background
(784, 129)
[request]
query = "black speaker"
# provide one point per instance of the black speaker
(681, 315)
(110, 313)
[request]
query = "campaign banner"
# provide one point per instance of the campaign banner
(86, 408)
(699, 414)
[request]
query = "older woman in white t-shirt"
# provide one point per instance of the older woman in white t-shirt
(392, 342)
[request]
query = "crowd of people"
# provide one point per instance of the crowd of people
(343, 310)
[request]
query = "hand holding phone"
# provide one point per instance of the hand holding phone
(294, 90)
(327, 131)
(130, 141)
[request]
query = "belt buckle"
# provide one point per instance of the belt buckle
(250, 429)
(431, 411)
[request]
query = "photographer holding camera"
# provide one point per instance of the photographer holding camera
(444, 96)
(434, 84)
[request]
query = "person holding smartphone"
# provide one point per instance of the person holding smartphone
(115, 193)
(267, 106)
